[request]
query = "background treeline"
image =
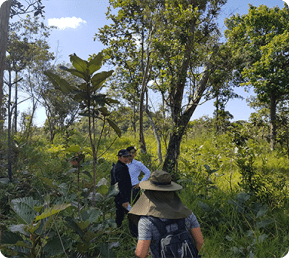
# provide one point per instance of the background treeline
(56, 198)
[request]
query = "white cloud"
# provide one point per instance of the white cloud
(66, 22)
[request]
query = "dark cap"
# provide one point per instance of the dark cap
(123, 152)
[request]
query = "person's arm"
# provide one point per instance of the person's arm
(142, 248)
(198, 236)
(144, 169)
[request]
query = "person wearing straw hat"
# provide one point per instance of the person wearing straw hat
(160, 200)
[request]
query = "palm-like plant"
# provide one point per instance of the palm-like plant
(88, 93)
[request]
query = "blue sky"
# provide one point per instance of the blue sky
(79, 20)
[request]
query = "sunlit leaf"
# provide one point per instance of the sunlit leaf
(51, 211)
(114, 127)
(73, 148)
(112, 191)
(19, 228)
(102, 181)
(48, 182)
(95, 63)
(98, 79)
(78, 63)
(83, 224)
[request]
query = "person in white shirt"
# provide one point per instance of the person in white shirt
(135, 167)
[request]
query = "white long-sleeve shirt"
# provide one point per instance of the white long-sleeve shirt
(134, 168)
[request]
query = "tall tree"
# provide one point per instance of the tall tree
(9, 8)
(61, 109)
(259, 42)
(128, 41)
(178, 42)
(5, 6)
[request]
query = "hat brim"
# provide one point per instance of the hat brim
(148, 185)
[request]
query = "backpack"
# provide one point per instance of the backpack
(112, 175)
(178, 243)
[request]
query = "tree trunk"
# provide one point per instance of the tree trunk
(143, 90)
(159, 145)
(217, 113)
(16, 104)
(273, 132)
(181, 123)
(9, 129)
(4, 26)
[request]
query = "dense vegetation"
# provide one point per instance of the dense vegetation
(234, 183)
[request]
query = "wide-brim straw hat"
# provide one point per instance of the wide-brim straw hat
(159, 199)
(160, 181)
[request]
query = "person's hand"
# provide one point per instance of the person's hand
(125, 205)
(136, 186)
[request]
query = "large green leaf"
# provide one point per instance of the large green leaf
(24, 208)
(98, 79)
(114, 127)
(58, 82)
(99, 99)
(111, 101)
(95, 63)
(112, 191)
(73, 148)
(54, 246)
(19, 228)
(73, 225)
(105, 250)
(90, 215)
(104, 111)
(74, 72)
(264, 223)
(79, 64)
(83, 224)
(51, 211)
(49, 182)
(10, 238)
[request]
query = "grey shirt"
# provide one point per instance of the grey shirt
(148, 231)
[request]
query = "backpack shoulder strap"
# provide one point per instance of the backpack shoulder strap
(181, 224)
(161, 227)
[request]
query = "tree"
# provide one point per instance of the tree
(259, 42)
(60, 108)
(178, 41)
(9, 8)
(87, 93)
(128, 39)
(4, 25)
